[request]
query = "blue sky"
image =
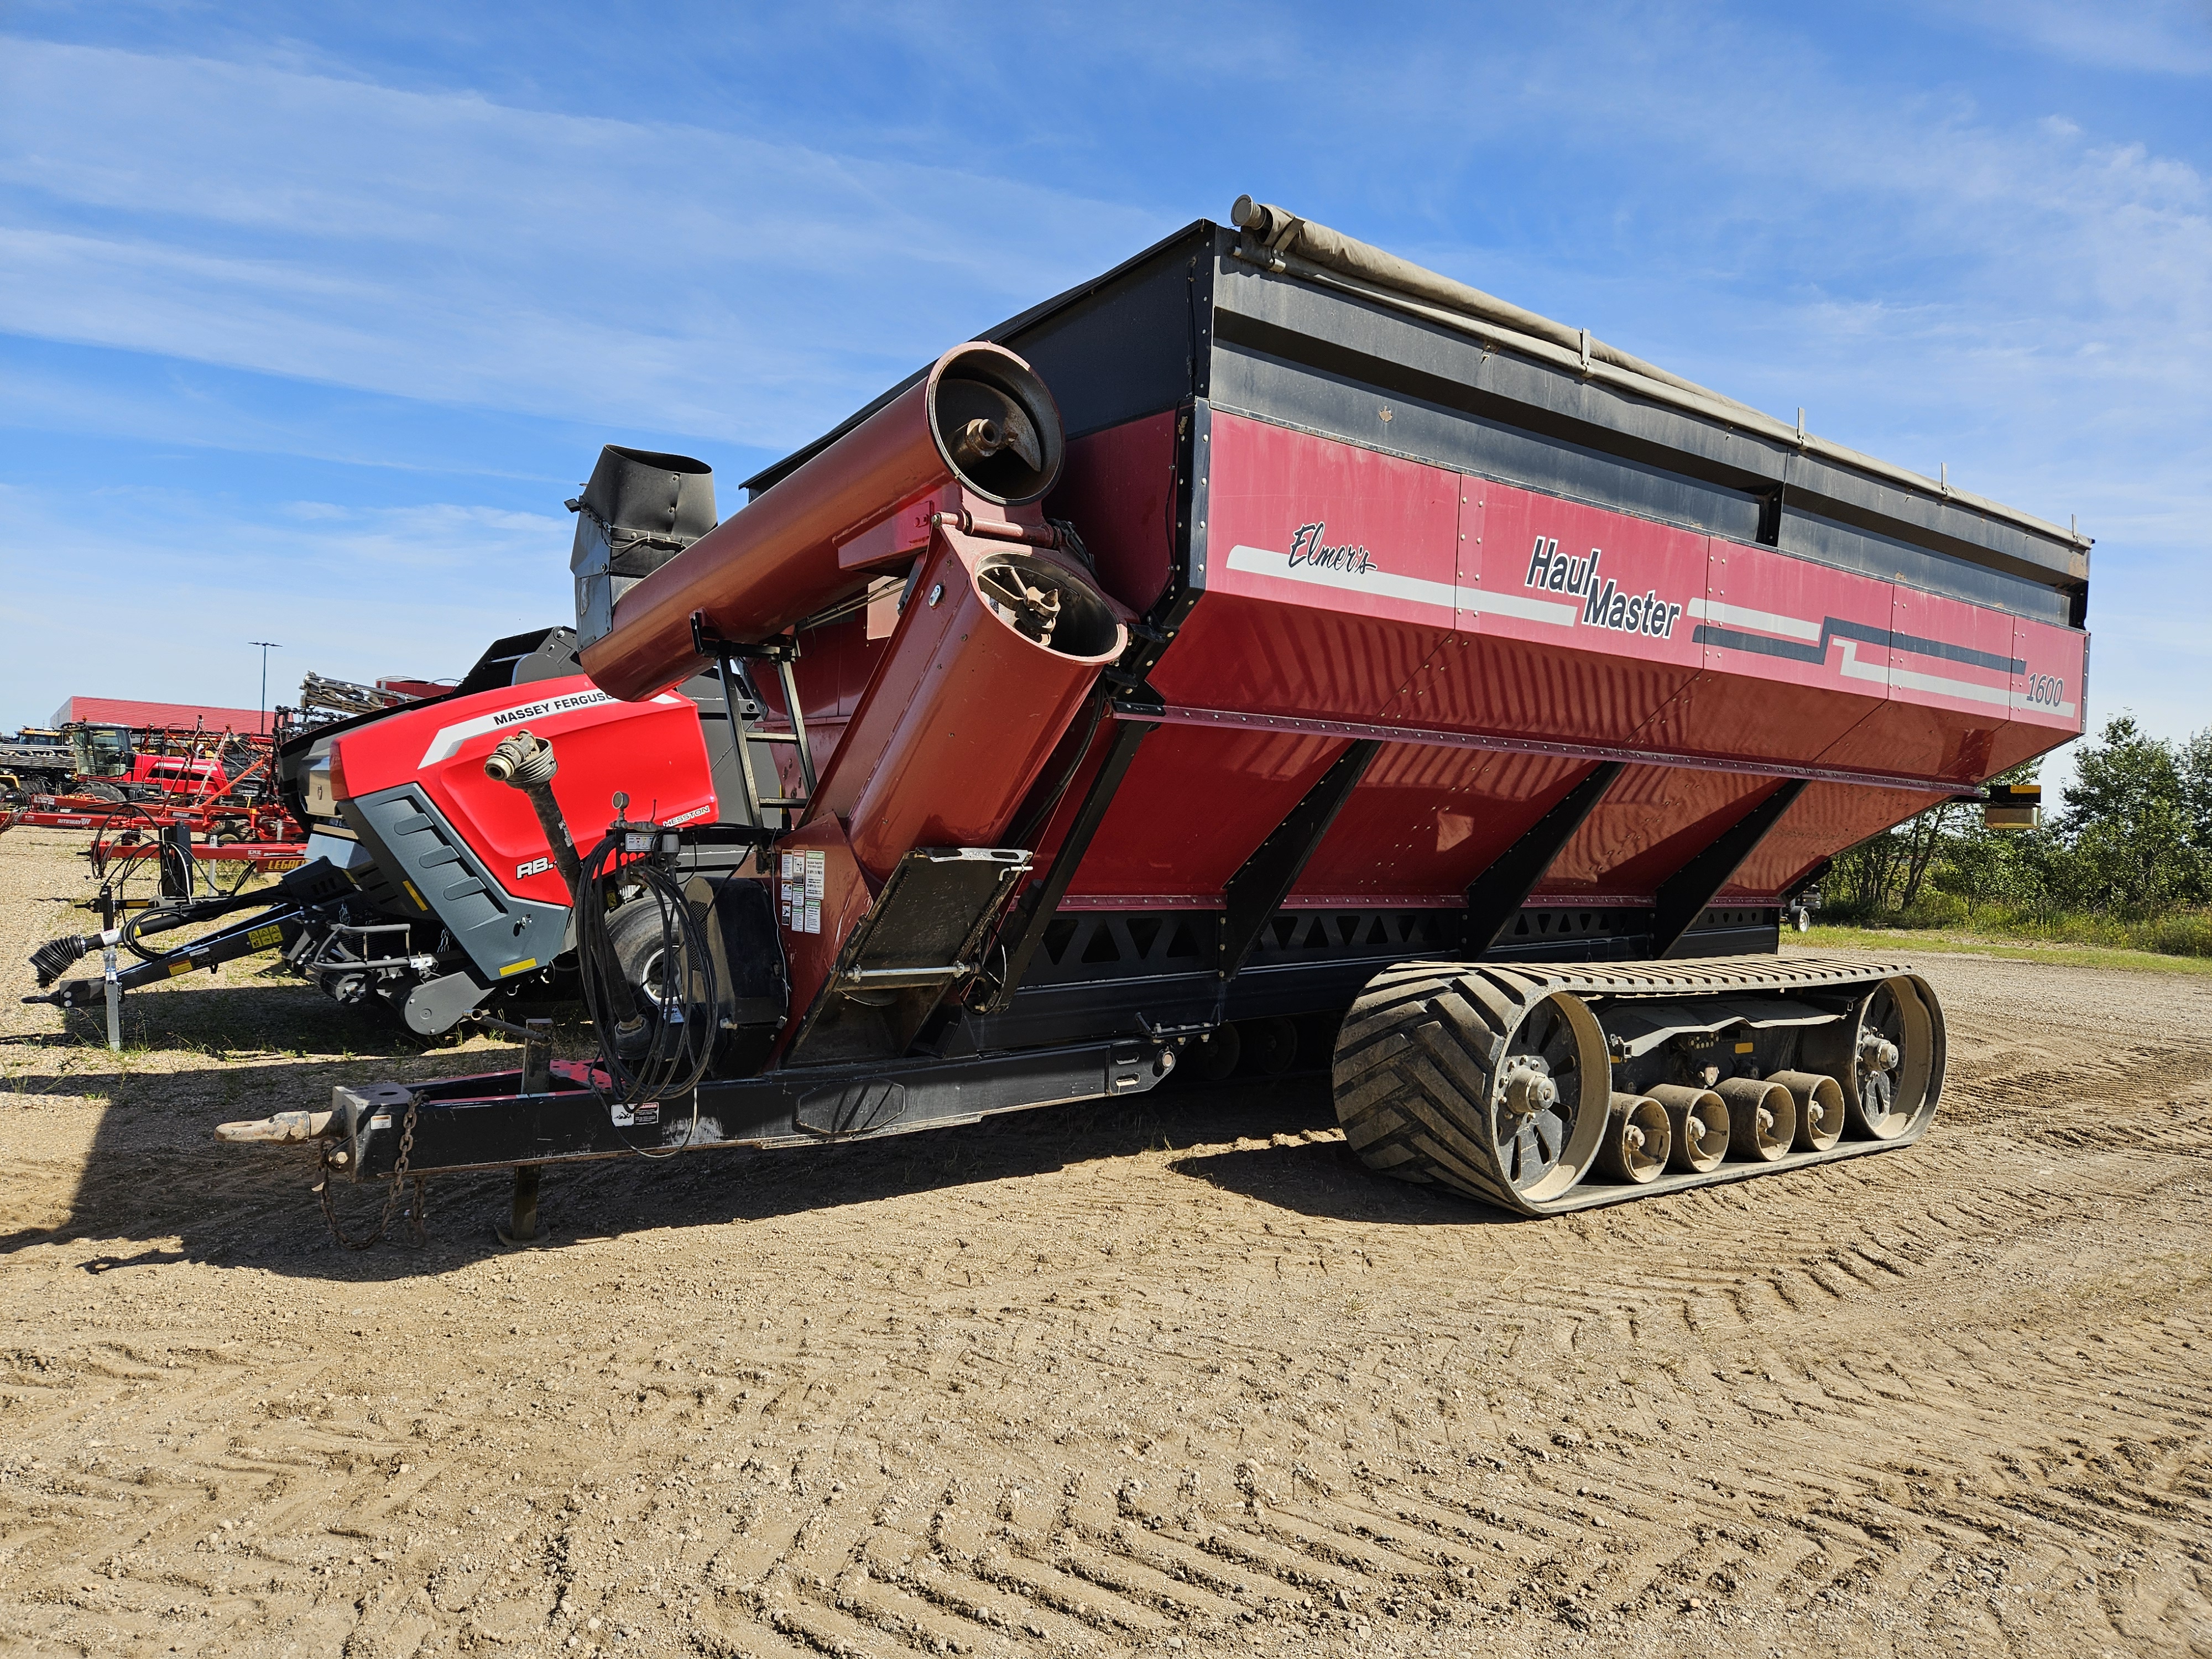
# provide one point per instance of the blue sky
(310, 316)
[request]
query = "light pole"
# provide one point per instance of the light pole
(267, 646)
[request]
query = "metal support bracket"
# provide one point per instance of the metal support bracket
(742, 739)
(1020, 940)
(1258, 888)
(1495, 896)
(1684, 895)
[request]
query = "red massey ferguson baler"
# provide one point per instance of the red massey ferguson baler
(1269, 642)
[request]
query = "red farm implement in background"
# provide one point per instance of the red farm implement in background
(135, 786)
(1267, 649)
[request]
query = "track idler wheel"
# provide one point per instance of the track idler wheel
(1762, 1118)
(1698, 1120)
(1474, 1077)
(1638, 1138)
(1819, 1109)
(1886, 1056)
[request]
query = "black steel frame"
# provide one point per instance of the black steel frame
(1497, 895)
(487, 1122)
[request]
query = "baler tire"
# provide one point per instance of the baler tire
(634, 931)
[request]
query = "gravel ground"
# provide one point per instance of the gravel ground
(1175, 1375)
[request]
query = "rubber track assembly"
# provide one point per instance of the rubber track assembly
(1544, 1088)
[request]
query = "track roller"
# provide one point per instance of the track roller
(1698, 1122)
(1638, 1138)
(1213, 1057)
(1819, 1109)
(1762, 1118)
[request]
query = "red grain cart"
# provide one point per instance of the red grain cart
(1269, 647)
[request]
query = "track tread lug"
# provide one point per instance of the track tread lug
(1418, 1050)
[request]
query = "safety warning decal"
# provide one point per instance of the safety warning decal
(804, 875)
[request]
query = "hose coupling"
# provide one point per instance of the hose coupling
(522, 760)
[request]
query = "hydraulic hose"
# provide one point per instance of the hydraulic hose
(666, 1055)
(525, 761)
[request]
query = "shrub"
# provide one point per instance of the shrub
(1932, 908)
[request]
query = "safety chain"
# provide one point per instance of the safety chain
(418, 1238)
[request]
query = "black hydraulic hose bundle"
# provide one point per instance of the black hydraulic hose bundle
(132, 855)
(160, 919)
(649, 1053)
(665, 1056)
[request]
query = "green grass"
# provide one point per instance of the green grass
(2177, 932)
(1903, 941)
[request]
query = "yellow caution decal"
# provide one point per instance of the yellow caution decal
(262, 938)
(420, 903)
(522, 967)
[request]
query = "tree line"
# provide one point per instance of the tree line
(2130, 844)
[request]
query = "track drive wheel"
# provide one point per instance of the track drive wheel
(1475, 1078)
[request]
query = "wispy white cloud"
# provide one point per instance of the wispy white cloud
(188, 407)
(347, 591)
(2148, 37)
(1942, 267)
(2027, 300)
(443, 247)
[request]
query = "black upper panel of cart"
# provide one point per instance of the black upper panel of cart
(1190, 317)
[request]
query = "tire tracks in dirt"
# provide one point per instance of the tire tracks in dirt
(1095, 1382)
